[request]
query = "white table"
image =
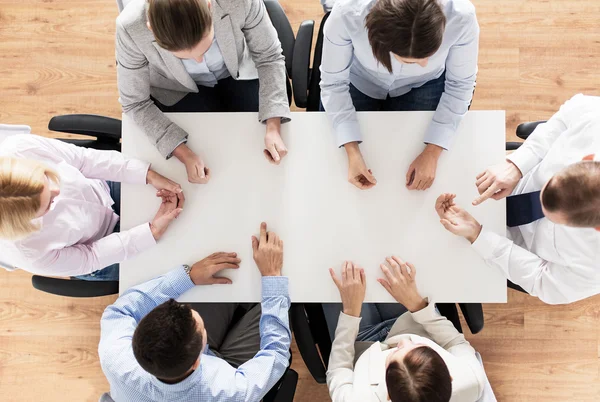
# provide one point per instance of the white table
(307, 200)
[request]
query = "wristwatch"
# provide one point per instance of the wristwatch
(187, 269)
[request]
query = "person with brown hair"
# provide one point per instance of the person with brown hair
(200, 56)
(60, 208)
(552, 189)
(399, 55)
(422, 357)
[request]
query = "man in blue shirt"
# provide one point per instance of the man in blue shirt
(155, 349)
(399, 55)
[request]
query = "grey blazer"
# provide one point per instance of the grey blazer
(250, 48)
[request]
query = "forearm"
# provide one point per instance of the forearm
(441, 330)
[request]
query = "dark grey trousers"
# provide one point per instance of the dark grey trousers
(232, 329)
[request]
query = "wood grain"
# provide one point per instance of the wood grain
(58, 58)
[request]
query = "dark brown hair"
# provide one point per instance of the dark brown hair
(166, 342)
(179, 24)
(575, 192)
(408, 28)
(423, 377)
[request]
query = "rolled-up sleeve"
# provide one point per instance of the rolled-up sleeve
(461, 73)
(338, 52)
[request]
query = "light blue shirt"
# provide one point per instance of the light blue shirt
(348, 58)
(214, 380)
(212, 68)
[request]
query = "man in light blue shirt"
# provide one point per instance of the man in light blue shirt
(392, 55)
(155, 349)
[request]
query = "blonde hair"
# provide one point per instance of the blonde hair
(21, 185)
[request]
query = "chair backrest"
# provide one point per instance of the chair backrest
(121, 4)
(284, 31)
(488, 392)
(314, 88)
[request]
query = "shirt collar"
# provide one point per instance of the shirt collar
(191, 381)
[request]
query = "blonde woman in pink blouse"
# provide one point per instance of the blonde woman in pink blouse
(60, 204)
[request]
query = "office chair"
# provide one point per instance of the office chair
(107, 133)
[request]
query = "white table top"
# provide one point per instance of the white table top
(307, 200)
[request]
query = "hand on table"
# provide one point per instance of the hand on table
(196, 171)
(275, 149)
(203, 272)
(400, 283)
(421, 173)
(170, 208)
(497, 181)
(358, 173)
(455, 219)
(352, 287)
(268, 252)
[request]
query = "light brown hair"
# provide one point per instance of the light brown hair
(407, 28)
(575, 192)
(422, 377)
(179, 24)
(21, 185)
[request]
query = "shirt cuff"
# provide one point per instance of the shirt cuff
(136, 171)
(275, 286)
(142, 237)
(179, 280)
(425, 314)
(349, 320)
(347, 131)
(524, 159)
(283, 112)
(440, 135)
(486, 244)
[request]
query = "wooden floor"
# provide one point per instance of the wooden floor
(57, 57)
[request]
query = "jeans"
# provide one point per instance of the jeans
(228, 95)
(110, 273)
(376, 321)
(425, 97)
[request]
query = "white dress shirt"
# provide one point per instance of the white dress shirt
(365, 380)
(348, 58)
(76, 235)
(210, 70)
(557, 263)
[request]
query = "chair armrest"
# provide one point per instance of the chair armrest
(104, 128)
(511, 146)
(524, 130)
(306, 343)
(285, 33)
(74, 288)
(301, 62)
(450, 311)
(473, 313)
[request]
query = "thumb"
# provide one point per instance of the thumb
(448, 225)
(200, 170)
(411, 171)
(334, 277)
(174, 214)
(274, 153)
(254, 244)
(370, 177)
(219, 280)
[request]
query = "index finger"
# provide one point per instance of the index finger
(263, 232)
(487, 194)
(180, 199)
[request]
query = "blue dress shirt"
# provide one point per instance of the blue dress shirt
(210, 70)
(214, 380)
(348, 58)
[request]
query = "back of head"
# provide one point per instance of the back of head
(21, 184)
(574, 192)
(179, 24)
(423, 377)
(408, 28)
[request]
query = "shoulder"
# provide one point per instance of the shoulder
(22, 145)
(462, 11)
(351, 14)
(580, 106)
(133, 17)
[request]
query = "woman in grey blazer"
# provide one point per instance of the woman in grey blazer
(200, 56)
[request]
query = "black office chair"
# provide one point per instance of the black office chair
(296, 50)
(107, 133)
(312, 336)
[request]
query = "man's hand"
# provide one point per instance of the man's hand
(455, 219)
(275, 149)
(358, 174)
(421, 173)
(203, 272)
(196, 171)
(352, 287)
(268, 252)
(169, 210)
(497, 181)
(400, 283)
(160, 182)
